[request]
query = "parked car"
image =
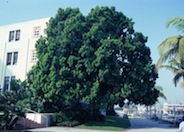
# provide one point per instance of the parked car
(178, 120)
(154, 117)
(170, 119)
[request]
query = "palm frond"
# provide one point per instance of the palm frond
(167, 44)
(159, 88)
(172, 47)
(177, 63)
(177, 22)
(169, 67)
(178, 75)
(181, 47)
(170, 54)
(161, 94)
(174, 62)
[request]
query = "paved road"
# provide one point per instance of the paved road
(145, 125)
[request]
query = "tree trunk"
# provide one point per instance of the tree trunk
(110, 110)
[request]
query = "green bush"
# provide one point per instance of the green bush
(76, 114)
(63, 119)
(12, 104)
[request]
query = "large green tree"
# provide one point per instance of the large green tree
(138, 72)
(96, 59)
(58, 75)
(122, 60)
(172, 51)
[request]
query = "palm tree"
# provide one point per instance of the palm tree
(161, 94)
(178, 22)
(171, 50)
(177, 67)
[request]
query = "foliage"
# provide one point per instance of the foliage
(161, 94)
(177, 22)
(74, 114)
(172, 51)
(58, 77)
(171, 48)
(13, 103)
(96, 59)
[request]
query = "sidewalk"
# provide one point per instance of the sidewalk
(65, 129)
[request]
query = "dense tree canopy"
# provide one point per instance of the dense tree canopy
(96, 59)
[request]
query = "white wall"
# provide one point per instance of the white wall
(24, 48)
(40, 118)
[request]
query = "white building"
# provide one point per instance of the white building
(173, 109)
(17, 49)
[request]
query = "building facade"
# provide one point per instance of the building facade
(173, 109)
(17, 49)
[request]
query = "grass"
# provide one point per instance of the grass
(113, 123)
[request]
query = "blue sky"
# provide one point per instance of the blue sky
(150, 17)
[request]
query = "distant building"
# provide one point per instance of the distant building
(173, 109)
(17, 49)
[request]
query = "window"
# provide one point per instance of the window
(17, 37)
(7, 82)
(33, 56)
(36, 32)
(11, 36)
(10, 56)
(15, 57)
(14, 35)
(12, 77)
